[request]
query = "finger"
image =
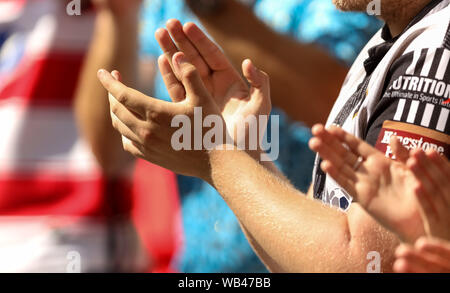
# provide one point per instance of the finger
(341, 153)
(341, 177)
(400, 152)
(336, 165)
(424, 190)
(167, 45)
(400, 266)
(259, 82)
(117, 76)
(427, 208)
(123, 129)
(184, 45)
(419, 262)
(173, 85)
(357, 145)
(414, 165)
(209, 51)
(130, 146)
(126, 117)
(428, 172)
(443, 170)
(190, 78)
(424, 263)
(442, 162)
(131, 99)
(434, 246)
(406, 266)
(258, 79)
(433, 171)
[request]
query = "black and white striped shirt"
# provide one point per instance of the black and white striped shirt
(397, 86)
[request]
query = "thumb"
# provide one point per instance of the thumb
(190, 78)
(399, 151)
(259, 80)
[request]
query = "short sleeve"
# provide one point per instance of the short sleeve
(414, 104)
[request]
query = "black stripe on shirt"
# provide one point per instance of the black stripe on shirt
(447, 38)
(421, 62)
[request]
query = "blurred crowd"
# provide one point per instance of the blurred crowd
(66, 189)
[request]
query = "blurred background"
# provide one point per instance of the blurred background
(70, 196)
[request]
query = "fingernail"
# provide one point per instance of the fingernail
(101, 73)
(252, 66)
(116, 75)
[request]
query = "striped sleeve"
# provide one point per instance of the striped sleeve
(415, 103)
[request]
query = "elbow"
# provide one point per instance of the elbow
(371, 246)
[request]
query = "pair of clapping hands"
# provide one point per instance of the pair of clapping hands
(197, 75)
(409, 196)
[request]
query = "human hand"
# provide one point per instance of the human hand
(380, 185)
(428, 255)
(145, 122)
(225, 85)
(433, 191)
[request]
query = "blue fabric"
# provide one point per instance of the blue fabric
(11, 56)
(343, 34)
(3, 37)
(213, 239)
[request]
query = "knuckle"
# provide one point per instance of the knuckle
(146, 134)
(114, 108)
(122, 96)
(153, 116)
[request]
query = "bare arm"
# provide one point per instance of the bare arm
(114, 46)
(313, 75)
(289, 231)
(293, 233)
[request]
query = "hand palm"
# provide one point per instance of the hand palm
(381, 186)
(227, 88)
(233, 97)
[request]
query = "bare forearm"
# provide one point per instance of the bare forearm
(290, 232)
(304, 79)
(114, 47)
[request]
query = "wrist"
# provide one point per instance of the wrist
(216, 157)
